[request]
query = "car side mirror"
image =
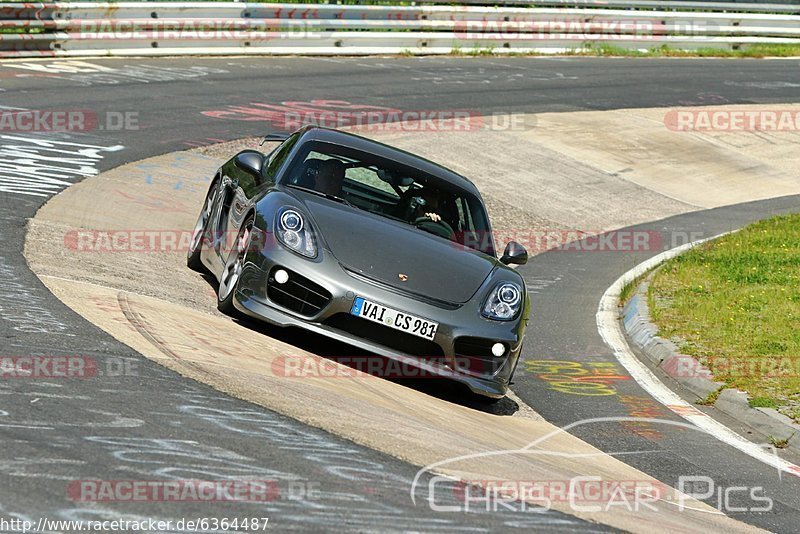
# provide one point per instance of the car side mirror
(251, 162)
(514, 253)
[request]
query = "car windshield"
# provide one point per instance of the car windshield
(390, 189)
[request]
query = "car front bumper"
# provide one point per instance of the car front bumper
(485, 375)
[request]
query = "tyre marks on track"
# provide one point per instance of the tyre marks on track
(44, 164)
(24, 309)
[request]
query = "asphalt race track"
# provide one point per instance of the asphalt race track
(157, 424)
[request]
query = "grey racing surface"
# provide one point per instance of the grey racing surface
(151, 424)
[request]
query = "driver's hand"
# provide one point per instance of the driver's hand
(435, 217)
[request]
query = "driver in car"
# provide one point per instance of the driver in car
(330, 177)
(429, 207)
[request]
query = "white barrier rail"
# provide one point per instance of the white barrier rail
(541, 21)
(788, 6)
(255, 9)
(131, 10)
(165, 28)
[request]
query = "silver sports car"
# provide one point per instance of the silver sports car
(369, 245)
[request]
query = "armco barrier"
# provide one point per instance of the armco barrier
(167, 28)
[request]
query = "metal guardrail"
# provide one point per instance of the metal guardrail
(767, 6)
(176, 9)
(771, 6)
(750, 6)
(169, 28)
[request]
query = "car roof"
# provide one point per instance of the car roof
(338, 137)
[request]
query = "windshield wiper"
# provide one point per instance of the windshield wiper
(325, 195)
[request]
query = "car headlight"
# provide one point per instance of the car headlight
(503, 302)
(294, 233)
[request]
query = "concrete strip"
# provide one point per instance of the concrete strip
(154, 304)
(703, 169)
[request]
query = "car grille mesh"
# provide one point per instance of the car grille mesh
(298, 294)
(475, 355)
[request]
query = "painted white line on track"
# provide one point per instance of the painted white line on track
(608, 325)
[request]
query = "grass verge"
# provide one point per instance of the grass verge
(629, 290)
(734, 304)
(752, 51)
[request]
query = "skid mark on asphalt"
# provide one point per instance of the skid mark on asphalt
(24, 308)
(535, 284)
(43, 164)
(87, 73)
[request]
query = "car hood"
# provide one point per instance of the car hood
(383, 249)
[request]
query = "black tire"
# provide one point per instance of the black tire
(483, 400)
(229, 279)
(200, 235)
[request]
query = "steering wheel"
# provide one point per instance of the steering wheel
(440, 228)
(403, 204)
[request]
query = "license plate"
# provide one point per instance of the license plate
(392, 318)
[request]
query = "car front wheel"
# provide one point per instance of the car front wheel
(229, 280)
(200, 235)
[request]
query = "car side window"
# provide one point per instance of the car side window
(465, 215)
(369, 177)
(278, 156)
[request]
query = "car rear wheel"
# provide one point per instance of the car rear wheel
(200, 234)
(229, 280)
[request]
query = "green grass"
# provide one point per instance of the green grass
(763, 402)
(629, 290)
(711, 398)
(734, 304)
(778, 443)
(475, 51)
(21, 30)
(610, 50)
(752, 51)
